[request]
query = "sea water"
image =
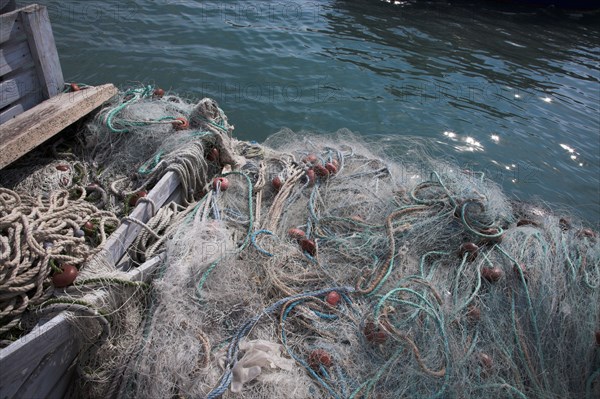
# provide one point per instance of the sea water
(514, 92)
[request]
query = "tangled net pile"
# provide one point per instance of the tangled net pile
(314, 266)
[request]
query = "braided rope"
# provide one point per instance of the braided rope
(36, 234)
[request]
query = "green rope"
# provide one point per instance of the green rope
(112, 280)
(147, 168)
(136, 94)
(62, 301)
(475, 232)
(530, 306)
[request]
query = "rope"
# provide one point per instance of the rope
(38, 234)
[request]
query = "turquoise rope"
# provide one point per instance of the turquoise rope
(298, 359)
(439, 321)
(146, 169)
(254, 243)
(137, 94)
(472, 230)
(531, 311)
(425, 256)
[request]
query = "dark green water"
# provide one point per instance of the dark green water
(515, 93)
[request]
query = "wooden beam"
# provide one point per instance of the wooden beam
(19, 360)
(31, 128)
(20, 106)
(14, 56)
(7, 5)
(36, 23)
(10, 25)
(22, 84)
(123, 237)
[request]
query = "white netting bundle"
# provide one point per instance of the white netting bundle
(323, 266)
(375, 279)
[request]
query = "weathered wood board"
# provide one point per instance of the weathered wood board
(14, 56)
(31, 128)
(10, 26)
(18, 86)
(36, 23)
(29, 64)
(124, 236)
(7, 5)
(37, 365)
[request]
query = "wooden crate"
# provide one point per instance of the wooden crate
(33, 107)
(29, 64)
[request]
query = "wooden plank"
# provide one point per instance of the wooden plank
(21, 106)
(13, 56)
(124, 236)
(7, 5)
(50, 370)
(21, 85)
(63, 387)
(20, 359)
(28, 130)
(11, 26)
(33, 365)
(36, 23)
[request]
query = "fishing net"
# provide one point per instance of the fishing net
(327, 266)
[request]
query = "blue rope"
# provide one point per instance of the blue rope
(233, 349)
(258, 248)
(298, 359)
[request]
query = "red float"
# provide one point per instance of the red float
(66, 277)
(589, 233)
(277, 183)
(564, 224)
(492, 231)
(310, 175)
(296, 234)
(220, 183)
(374, 333)
(486, 361)
(333, 298)
(527, 222)
(473, 314)
(308, 246)
(214, 155)
(321, 171)
(331, 168)
(492, 274)
(310, 158)
(89, 227)
(180, 124)
(135, 197)
(158, 92)
(319, 357)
